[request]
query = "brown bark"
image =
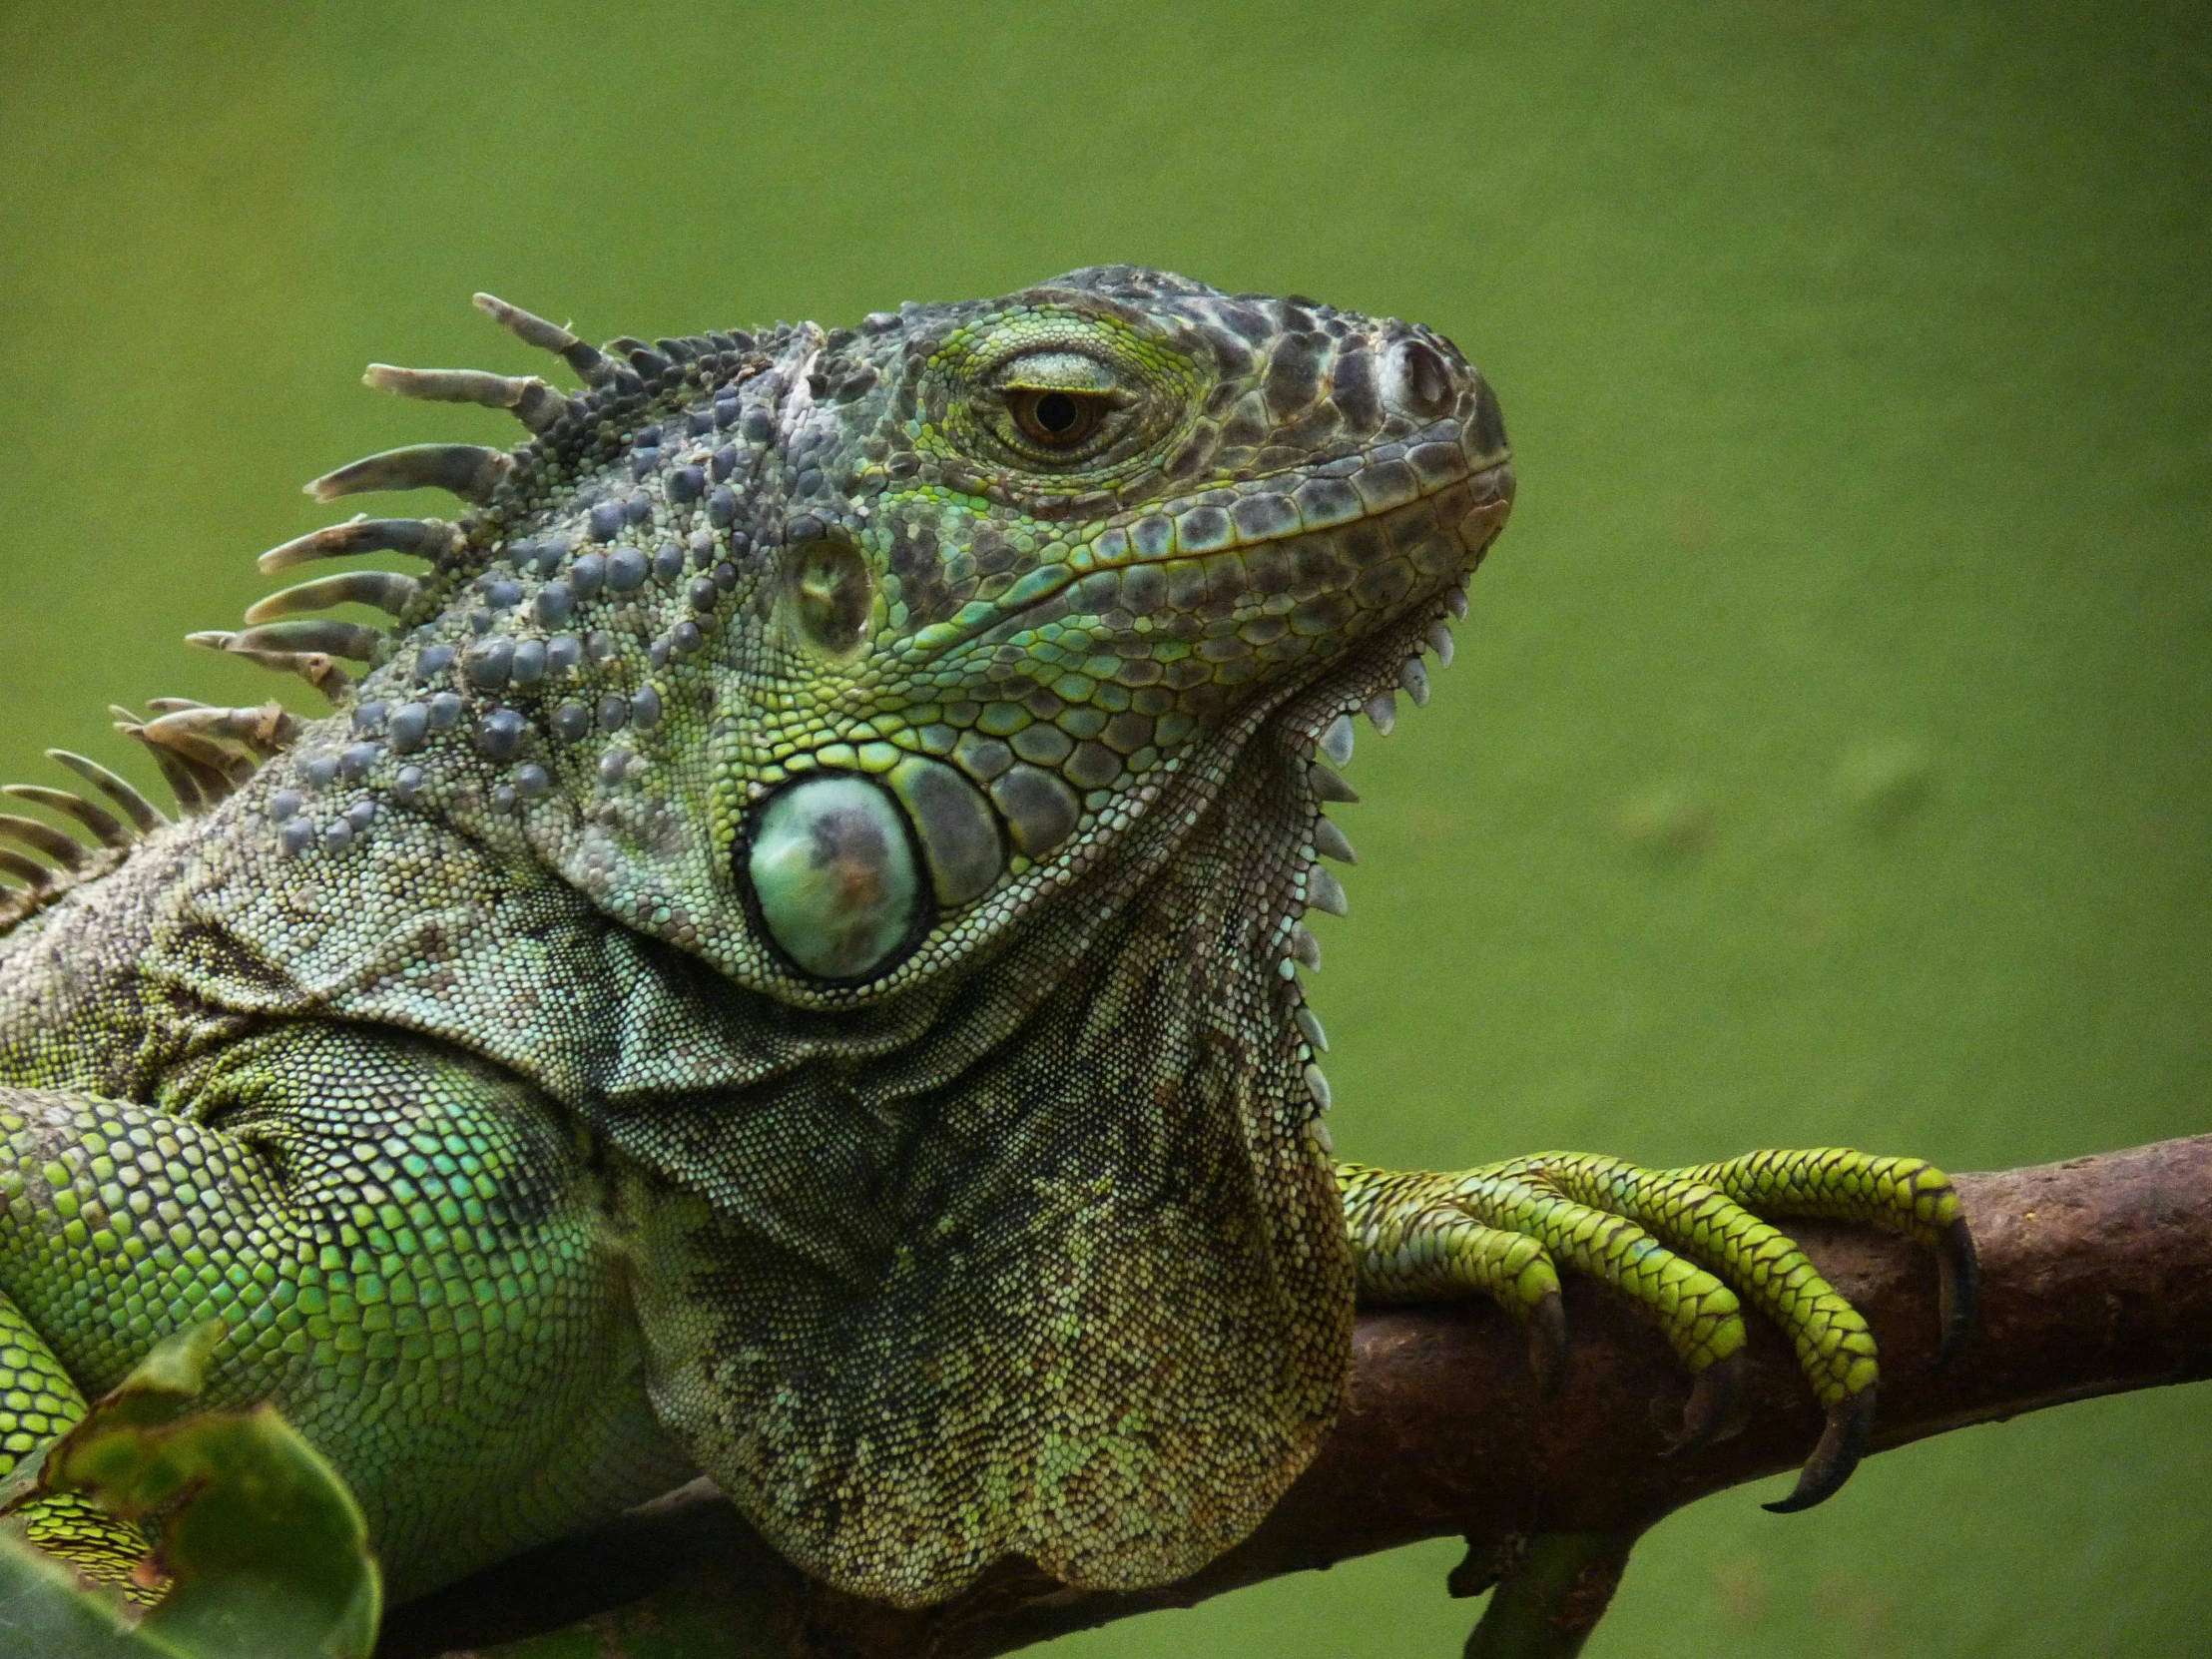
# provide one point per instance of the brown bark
(2096, 1279)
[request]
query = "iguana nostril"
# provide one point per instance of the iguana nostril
(1419, 383)
(834, 875)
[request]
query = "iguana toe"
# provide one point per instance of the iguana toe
(1843, 1442)
(1682, 1243)
(1715, 1398)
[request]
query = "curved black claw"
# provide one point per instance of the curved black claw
(1714, 1399)
(1958, 1284)
(1843, 1443)
(1547, 1342)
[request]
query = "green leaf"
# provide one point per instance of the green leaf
(266, 1550)
(42, 1611)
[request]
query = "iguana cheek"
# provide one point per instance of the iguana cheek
(834, 875)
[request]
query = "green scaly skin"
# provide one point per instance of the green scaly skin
(937, 1159)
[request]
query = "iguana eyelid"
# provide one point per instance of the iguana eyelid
(1058, 367)
(1115, 397)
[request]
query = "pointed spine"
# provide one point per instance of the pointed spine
(1412, 674)
(136, 806)
(1325, 892)
(1330, 843)
(266, 729)
(592, 368)
(386, 590)
(1317, 1085)
(66, 851)
(1328, 786)
(531, 402)
(1336, 741)
(647, 361)
(106, 827)
(426, 538)
(35, 876)
(183, 779)
(315, 635)
(318, 667)
(467, 470)
(208, 757)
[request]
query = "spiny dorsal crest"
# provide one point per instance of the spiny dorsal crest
(204, 754)
(564, 427)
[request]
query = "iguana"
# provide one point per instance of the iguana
(786, 964)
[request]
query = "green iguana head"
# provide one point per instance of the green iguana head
(869, 777)
(825, 655)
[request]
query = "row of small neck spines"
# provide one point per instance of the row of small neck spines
(1316, 888)
(564, 428)
(203, 753)
(206, 752)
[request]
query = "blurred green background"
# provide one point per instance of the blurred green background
(1830, 758)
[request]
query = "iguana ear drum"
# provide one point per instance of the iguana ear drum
(833, 867)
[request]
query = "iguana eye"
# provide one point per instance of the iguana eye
(1055, 418)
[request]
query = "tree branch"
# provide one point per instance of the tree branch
(2096, 1279)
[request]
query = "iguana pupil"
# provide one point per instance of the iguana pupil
(1056, 418)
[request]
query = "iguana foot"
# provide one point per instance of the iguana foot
(1684, 1245)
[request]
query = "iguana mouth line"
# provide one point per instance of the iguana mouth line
(937, 639)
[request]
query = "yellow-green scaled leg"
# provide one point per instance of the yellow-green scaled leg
(1688, 1245)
